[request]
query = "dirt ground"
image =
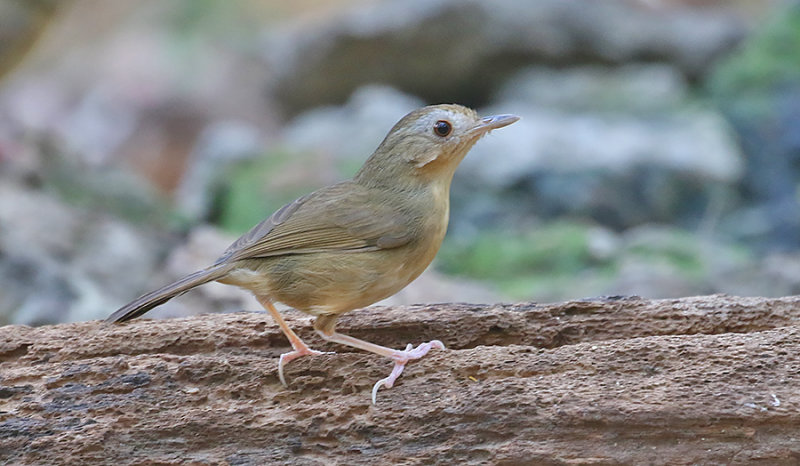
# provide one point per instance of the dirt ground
(704, 380)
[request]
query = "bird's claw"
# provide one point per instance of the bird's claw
(400, 359)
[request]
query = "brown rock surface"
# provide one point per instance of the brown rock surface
(711, 380)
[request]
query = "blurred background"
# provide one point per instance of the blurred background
(658, 154)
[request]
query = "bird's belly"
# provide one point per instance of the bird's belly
(332, 283)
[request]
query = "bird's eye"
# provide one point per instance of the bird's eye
(442, 128)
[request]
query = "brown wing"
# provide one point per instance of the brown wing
(342, 217)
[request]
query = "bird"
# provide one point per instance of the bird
(356, 242)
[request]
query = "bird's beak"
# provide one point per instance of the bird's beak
(493, 122)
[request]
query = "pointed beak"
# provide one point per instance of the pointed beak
(493, 122)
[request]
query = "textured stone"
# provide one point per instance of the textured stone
(706, 380)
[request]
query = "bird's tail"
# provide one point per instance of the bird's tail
(155, 298)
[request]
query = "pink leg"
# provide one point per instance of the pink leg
(400, 360)
(325, 326)
(300, 348)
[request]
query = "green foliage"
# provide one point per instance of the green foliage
(210, 17)
(768, 60)
(253, 191)
(496, 255)
(552, 261)
(522, 263)
(681, 250)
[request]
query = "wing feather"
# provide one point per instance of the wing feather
(343, 217)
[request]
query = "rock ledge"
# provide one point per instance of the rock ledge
(711, 380)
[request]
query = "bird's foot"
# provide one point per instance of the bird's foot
(400, 359)
(292, 355)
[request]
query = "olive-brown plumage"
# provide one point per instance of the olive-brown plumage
(351, 244)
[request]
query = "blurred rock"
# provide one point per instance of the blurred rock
(317, 148)
(221, 144)
(774, 274)
(456, 50)
(781, 275)
(624, 146)
(553, 261)
(434, 287)
(662, 261)
(351, 131)
(61, 263)
(35, 290)
(690, 142)
(135, 86)
(152, 87)
(771, 186)
(758, 90)
(201, 248)
(21, 23)
(632, 87)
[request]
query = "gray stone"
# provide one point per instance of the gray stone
(435, 287)
(220, 145)
(64, 263)
(652, 156)
(692, 142)
(634, 87)
(599, 118)
(353, 130)
(457, 50)
(202, 246)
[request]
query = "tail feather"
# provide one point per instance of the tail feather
(155, 298)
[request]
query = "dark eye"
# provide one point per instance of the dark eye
(442, 128)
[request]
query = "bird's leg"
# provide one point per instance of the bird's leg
(326, 327)
(300, 348)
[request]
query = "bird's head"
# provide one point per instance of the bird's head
(428, 144)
